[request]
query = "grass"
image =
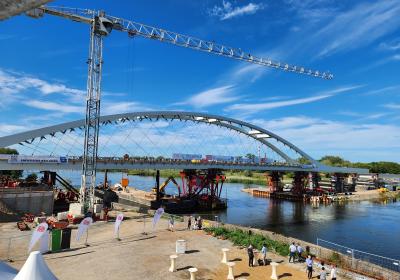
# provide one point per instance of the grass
(242, 238)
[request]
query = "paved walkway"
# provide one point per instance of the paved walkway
(146, 257)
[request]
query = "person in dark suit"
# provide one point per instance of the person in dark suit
(250, 252)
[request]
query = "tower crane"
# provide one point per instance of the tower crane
(101, 26)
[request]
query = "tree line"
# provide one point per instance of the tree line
(374, 167)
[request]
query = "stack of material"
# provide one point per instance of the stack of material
(35, 268)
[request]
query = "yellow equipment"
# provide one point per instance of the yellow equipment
(383, 190)
(163, 185)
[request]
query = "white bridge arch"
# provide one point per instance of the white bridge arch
(263, 136)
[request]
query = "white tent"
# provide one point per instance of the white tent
(35, 268)
(7, 272)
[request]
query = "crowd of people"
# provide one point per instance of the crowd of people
(197, 223)
(193, 223)
(296, 253)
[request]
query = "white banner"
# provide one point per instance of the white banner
(37, 234)
(37, 159)
(118, 222)
(157, 216)
(44, 243)
(83, 227)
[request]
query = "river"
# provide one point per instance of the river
(368, 226)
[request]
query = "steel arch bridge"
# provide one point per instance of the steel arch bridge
(288, 155)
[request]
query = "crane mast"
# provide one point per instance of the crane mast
(101, 25)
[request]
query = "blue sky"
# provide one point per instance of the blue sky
(356, 115)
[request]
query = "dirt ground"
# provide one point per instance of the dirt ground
(144, 257)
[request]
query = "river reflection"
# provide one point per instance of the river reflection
(368, 226)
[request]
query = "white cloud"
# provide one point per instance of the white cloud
(228, 11)
(12, 82)
(382, 90)
(391, 46)
(358, 27)
(392, 106)
(110, 108)
(395, 57)
(6, 129)
(53, 106)
(356, 142)
(270, 105)
(255, 107)
(213, 96)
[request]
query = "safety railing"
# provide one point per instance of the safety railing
(14, 248)
(385, 262)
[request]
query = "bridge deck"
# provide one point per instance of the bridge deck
(131, 165)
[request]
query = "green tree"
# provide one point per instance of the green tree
(15, 174)
(335, 161)
(31, 177)
(251, 156)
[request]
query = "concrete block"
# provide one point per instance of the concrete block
(62, 216)
(97, 208)
(75, 209)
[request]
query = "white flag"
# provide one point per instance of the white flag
(44, 242)
(157, 216)
(83, 226)
(118, 222)
(37, 234)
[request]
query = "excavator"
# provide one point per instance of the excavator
(163, 185)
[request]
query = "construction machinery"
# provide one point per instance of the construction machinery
(101, 26)
(163, 185)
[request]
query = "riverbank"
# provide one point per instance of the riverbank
(360, 195)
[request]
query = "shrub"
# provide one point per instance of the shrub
(242, 238)
(335, 258)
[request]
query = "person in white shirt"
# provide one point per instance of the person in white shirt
(264, 254)
(309, 263)
(292, 252)
(299, 252)
(333, 272)
(322, 275)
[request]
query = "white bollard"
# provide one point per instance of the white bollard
(224, 257)
(230, 272)
(273, 275)
(192, 271)
(172, 267)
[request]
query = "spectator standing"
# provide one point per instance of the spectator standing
(322, 276)
(171, 223)
(309, 263)
(264, 254)
(333, 272)
(292, 252)
(250, 252)
(189, 224)
(300, 251)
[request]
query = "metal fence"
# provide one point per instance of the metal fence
(14, 247)
(385, 262)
